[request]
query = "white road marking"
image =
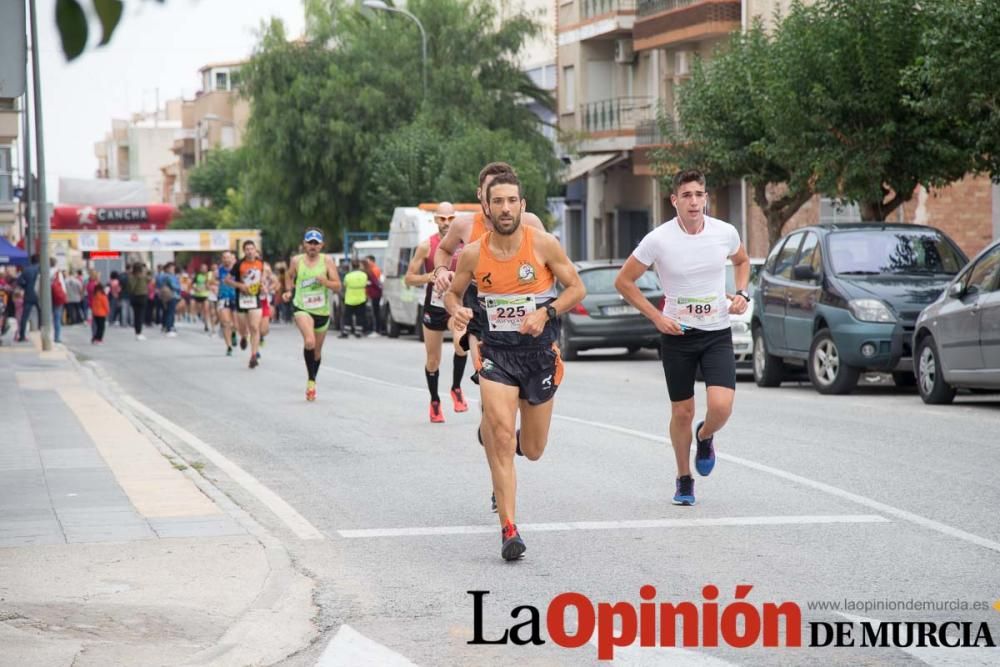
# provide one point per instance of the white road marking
(350, 648)
(295, 521)
(618, 525)
(960, 656)
(921, 521)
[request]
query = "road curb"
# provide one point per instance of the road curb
(281, 620)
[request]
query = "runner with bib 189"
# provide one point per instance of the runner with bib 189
(689, 254)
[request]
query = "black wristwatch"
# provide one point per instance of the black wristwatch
(746, 297)
(551, 312)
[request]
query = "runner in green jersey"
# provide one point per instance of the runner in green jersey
(310, 277)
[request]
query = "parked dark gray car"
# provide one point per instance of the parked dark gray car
(957, 338)
(841, 299)
(604, 318)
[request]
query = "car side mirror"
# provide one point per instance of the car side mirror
(956, 291)
(803, 272)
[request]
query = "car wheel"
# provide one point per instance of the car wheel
(930, 381)
(391, 325)
(632, 350)
(566, 348)
(828, 372)
(904, 379)
(768, 370)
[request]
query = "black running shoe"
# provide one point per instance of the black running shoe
(513, 546)
(517, 437)
(685, 491)
(243, 343)
(479, 434)
(493, 502)
(232, 339)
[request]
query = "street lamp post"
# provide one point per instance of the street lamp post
(380, 5)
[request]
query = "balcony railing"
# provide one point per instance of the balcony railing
(619, 113)
(591, 8)
(647, 7)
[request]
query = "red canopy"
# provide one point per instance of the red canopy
(96, 217)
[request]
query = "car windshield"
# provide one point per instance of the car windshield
(602, 281)
(731, 277)
(878, 252)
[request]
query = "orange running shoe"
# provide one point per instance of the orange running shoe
(437, 417)
(458, 399)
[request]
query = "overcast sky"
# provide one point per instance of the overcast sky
(156, 46)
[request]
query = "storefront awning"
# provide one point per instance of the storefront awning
(586, 164)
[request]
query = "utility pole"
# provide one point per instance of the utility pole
(45, 298)
(29, 187)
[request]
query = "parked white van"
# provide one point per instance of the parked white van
(402, 306)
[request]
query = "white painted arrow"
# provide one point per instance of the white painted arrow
(350, 648)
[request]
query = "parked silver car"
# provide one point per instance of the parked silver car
(957, 338)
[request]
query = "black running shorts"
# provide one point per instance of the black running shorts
(435, 319)
(320, 322)
(682, 355)
(536, 371)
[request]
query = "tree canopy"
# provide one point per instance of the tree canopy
(339, 132)
(825, 104)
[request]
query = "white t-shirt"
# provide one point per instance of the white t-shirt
(692, 270)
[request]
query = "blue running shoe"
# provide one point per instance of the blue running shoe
(685, 491)
(704, 458)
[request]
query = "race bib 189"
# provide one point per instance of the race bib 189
(696, 311)
(506, 313)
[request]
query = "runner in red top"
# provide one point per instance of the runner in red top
(436, 319)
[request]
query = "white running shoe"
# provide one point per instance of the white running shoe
(171, 334)
(140, 337)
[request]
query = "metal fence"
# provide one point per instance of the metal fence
(646, 7)
(591, 8)
(618, 113)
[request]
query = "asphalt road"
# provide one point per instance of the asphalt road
(867, 497)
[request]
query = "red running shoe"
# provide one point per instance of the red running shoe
(513, 546)
(437, 417)
(458, 400)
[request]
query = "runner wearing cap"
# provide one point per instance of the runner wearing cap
(307, 282)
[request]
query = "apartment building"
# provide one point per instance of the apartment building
(136, 148)
(9, 121)
(216, 118)
(619, 63)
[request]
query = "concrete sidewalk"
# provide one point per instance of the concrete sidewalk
(113, 551)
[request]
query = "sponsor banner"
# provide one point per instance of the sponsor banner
(147, 240)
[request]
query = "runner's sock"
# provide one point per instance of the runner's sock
(457, 369)
(432, 383)
(310, 357)
(316, 364)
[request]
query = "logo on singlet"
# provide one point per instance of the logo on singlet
(526, 273)
(488, 279)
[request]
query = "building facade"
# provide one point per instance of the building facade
(9, 122)
(136, 149)
(619, 64)
(217, 117)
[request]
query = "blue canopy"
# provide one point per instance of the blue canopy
(11, 254)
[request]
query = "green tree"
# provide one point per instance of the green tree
(955, 82)
(728, 129)
(218, 173)
(840, 103)
(331, 113)
(196, 218)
